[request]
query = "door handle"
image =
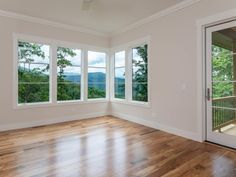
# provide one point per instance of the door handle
(208, 94)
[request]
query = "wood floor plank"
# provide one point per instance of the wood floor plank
(108, 147)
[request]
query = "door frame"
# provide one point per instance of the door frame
(202, 24)
(215, 137)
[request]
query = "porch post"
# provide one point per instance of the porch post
(234, 66)
(234, 74)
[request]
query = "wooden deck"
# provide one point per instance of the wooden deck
(108, 147)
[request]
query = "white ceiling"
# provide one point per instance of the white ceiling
(104, 16)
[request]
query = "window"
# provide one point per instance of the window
(119, 73)
(130, 74)
(33, 73)
(68, 74)
(50, 73)
(140, 73)
(96, 75)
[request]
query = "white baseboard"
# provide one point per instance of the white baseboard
(156, 125)
(139, 120)
(49, 121)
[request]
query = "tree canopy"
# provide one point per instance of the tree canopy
(140, 76)
(222, 72)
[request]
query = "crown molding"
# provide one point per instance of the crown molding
(41, 21)
(165, 12)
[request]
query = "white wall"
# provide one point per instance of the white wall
(173, 60)
(16, 118)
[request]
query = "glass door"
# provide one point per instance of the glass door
(221, 84)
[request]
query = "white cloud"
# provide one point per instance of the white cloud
(120, 59)
(119, 72)
(96, 59)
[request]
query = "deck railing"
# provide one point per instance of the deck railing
(223, 112)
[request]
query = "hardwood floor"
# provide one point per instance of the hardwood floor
(108, 147)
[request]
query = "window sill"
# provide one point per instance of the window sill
(132, 103)
(60, 103)
(90, 101)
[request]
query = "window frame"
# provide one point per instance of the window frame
(81, 76)
(54, 44)
(110, 57)
(16, 64)
(107, 72)
(129, 73)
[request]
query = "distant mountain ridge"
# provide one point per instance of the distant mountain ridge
(97, 79)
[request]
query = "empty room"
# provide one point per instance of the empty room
(118, 88)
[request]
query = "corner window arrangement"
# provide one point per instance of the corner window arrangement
(96, 75)
(68, 74)
(33, 73)
(119, 75)
(51, 72)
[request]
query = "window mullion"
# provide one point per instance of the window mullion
(112, 76)
(107, 76)
(53, 75)
(128, 80)
(84, 76)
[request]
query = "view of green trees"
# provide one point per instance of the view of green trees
(140, 74)
(120, 87)
(66, 89)
(119, 75)
(222, 86)
(222, 72)
(33, 75)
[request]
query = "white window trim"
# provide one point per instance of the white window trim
(53, 71)
(128, 76)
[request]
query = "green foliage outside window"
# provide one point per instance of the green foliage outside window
(222, 72)
(66, 89)
(34, 80)
(140, 75)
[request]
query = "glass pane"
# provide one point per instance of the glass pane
(120, 59)
(33, 72)
(222, 64)
(140, 74)
(96, 83)
(120, 83)
(140, 91)
(30, 92)
(68, 84)
(96, 59)
(223, 81)
(222, 89)
(68, 74)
